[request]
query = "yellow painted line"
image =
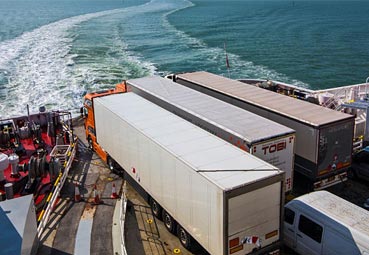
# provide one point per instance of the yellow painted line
(57, 181)
(41, 214)
(49, 197)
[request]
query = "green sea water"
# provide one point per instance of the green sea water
(53, 52)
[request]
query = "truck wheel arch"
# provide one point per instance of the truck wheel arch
(169, 222)
(156, 208)
(90, 143)
(184, 237)
(110, 162)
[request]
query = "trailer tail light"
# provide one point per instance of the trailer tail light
(236, 249)
(334, 167)
(234, 242)
(271, 234)
(290, 139)
(288, 183)
(322, 172)
(346, 164)
(234, 245)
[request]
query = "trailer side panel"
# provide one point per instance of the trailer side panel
(184, 168)
(266, 139)
(307, 119)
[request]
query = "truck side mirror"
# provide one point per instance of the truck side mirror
(83, 112)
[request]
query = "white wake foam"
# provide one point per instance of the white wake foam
(38, 63)
(41, 70)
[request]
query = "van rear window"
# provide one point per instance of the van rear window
(310, 228)
(289, 215)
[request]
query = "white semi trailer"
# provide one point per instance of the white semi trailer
(323, 136)
(209, 191)
(268, 140)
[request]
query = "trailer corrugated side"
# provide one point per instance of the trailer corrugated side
(214, 190)
(323, 136)
(268, 140)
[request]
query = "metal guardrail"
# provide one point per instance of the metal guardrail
(122, 217)
(344, 94)
(58, 185)
(357, 145)
(333, 98)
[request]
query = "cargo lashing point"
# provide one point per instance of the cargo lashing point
(149, 221)
(176, 251)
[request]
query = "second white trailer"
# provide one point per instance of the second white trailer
(228, 200)
(268, 140)
(323, 136)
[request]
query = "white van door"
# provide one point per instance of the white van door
(289, 232)
(309, 236)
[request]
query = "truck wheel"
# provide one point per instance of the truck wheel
(169, 222)
(111, 164)
(184, 237)
(90, 145)
(156, 209)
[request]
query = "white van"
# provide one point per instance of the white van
(322, 223)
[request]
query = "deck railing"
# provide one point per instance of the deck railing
(122, 217)
(69, 153)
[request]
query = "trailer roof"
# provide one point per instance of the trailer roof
(249, 126)
(220, 162)
(350, 215)
(296, 109)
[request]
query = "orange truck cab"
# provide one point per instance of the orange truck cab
(87, 112)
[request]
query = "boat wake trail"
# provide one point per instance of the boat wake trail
(36, 68)
(56, 64)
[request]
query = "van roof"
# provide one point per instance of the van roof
(353, 217)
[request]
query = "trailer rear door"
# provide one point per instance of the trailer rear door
(254, 219)
(280, 153)
(335, 147)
